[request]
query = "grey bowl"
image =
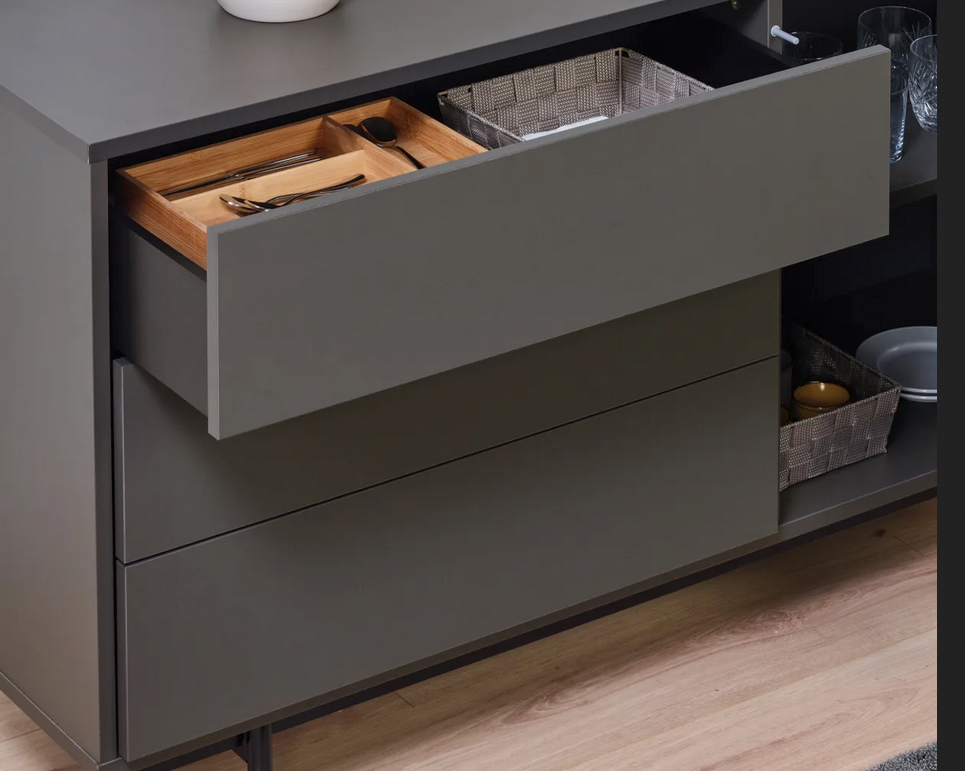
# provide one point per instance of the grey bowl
(907, 355)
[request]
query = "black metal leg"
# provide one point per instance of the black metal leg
(255, 749)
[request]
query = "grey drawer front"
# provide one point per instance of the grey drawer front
(414, 276)
(177, 485)
(359, 588)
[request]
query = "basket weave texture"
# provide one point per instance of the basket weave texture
(498, 112)
(852, 433)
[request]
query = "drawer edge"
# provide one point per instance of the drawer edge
(550, 280)
(257, 563)
(177, 485)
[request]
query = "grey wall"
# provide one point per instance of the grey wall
(56, 588)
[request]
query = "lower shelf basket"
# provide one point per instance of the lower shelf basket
(859, 430)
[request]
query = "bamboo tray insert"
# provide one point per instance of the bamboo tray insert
(182, 221)
(430, 141)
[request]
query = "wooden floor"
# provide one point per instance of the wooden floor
(822, 658)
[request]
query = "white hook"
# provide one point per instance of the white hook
(776, 31)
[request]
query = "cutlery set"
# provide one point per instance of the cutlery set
(250, 172)
(183, 196)
(377, 130)
(245, 206)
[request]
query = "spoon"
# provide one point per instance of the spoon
(381, 132)
(247, 206)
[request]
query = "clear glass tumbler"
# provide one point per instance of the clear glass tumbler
(895, 28)
(813, 46)
(923, 83)
(899, 109)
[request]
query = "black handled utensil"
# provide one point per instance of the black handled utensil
(381, 132)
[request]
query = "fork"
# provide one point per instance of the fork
(247, 206)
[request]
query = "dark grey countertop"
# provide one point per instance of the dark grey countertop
(110, 77)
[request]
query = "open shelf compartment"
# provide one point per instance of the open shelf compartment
(845, 298)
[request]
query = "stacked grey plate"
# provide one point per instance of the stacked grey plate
(909, 356)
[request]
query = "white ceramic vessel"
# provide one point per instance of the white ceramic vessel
(277, 10)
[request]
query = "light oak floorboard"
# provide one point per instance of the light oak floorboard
(919, 528)
(822, 658)
(13, 722)
(34, 751)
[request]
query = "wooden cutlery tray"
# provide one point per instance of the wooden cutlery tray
(182, 220)
(428, 140)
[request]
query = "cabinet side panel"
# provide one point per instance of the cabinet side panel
(56, 587)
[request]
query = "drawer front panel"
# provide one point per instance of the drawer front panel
(421, 274)
(292, 611)
(177, 485)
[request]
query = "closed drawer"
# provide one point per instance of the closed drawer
(315, 604)
(404, 278)
(177, 485)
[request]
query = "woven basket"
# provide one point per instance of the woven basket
(852, 433)
(498, 112)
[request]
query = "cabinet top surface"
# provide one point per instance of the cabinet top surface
(111, 77)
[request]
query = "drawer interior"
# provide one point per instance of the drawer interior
(163, 195)
(691, 43)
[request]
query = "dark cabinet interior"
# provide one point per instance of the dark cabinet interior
(838, 18)
(846, 297)
(850, 295)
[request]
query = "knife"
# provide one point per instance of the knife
(250, 172)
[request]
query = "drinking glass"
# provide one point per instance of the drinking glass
(899, 109)
(893, 27)
(812, 47)
(923, 83)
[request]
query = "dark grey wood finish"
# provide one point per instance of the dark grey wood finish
(363, 587)
(176, 485)
(102, 76)
(906, 474)
(159, 311)
(56, 577)
(396, 281)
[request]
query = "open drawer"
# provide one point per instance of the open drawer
(169, 196)
(422, 272)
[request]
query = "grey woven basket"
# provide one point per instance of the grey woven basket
(857, 431)
(498, 112)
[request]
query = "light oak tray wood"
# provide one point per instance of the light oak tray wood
(182, 221)
(428, 140)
